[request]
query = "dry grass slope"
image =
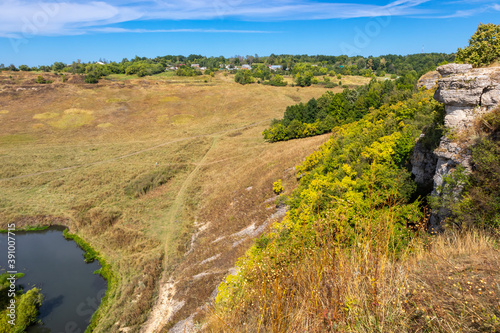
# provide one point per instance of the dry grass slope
(139, 167)
(449, 283)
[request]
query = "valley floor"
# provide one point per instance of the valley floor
(167, 178)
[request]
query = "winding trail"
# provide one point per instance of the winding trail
(166, 306)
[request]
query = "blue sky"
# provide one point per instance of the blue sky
(45, 31)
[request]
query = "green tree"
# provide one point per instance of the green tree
(58, 66)
(244, 77)
(484, 46)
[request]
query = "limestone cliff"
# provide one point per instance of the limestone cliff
(428, 80)
(466, 93)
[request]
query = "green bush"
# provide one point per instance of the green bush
(484, 46)
(91, 78)
(277, 187)
(40, 79)
(276, 80)
(244, 77)
(27, 306)
(480, 205)
(355, 192)
(187, 71)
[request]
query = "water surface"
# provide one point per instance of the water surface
(56, 265)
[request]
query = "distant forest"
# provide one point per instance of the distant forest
(304, 68)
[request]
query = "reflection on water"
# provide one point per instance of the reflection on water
(55, 265)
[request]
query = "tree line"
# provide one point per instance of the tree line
(304, 68)
(319, 116)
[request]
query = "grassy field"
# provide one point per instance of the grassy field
(158, 174)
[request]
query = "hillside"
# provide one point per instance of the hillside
(169, 179)
(354, 254)
(161, 175)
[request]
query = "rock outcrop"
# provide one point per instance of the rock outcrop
(428, 80)
(466, 93)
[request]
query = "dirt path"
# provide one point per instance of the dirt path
(166, 306)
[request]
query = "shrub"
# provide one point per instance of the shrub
(91, 78)
(276, 80)
(187, 71)
(331, 265)
(481, 203)
(40, 79)
(331, 85)
(277, 187)
(244, 77)
(26, 312)
(484, 46)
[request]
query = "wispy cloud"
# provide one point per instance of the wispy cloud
(123, 30)
(259, 10)
(21, 18)
(465, 12)
(59, 18)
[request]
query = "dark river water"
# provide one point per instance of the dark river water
(71, 291)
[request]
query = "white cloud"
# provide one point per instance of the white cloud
(55, 18)
(259, 10)
(465, 12)
(22, 18)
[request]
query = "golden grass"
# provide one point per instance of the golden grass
(170, 99)
(454, 285)
(115, 100)
(46, 115)
(181, 119)
(16, 138)
(73, 118)
(75, 168)
(105, 125)
(449, 283)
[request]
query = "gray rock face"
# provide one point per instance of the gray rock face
(466, 93)
(449, 69)
(428, 80)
